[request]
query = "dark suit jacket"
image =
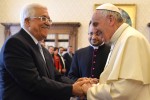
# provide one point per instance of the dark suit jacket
(82, 62)
(68, 61)
(61, 61)
(25, 76)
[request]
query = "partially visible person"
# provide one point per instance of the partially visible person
(90, 61)
(127, 72)
(60, 53)
(68, 59)
(51, 49)
(57, 60)
(26, 71)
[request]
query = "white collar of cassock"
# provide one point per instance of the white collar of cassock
(96, 47)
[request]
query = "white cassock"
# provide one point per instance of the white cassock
(127, 72)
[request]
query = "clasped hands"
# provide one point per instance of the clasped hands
(81, 86)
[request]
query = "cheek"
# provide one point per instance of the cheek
(44, 31)
(89, 38)
(34, 30)
(107, 38)
(103, 37)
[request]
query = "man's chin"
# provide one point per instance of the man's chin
(95, 44)
(108, 43)
(42, 38)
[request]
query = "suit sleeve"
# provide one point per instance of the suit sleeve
(20, 63)
(65, 60)
(74, 69)
(61, 78)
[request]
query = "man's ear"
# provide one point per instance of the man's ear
(111, 19)
(27, 22)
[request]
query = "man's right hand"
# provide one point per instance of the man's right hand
(77, 87)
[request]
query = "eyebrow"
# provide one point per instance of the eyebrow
(45, 16)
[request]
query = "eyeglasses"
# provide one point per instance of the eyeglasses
(44, 19)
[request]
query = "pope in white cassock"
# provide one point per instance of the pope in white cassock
(127, 72)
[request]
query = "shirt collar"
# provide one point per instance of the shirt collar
(96, 47)
(34, 39)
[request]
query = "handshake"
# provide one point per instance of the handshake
(81, 86)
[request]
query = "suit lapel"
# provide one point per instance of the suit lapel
(41, 63)
(49, 63)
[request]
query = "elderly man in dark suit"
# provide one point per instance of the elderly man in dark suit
(26, 68)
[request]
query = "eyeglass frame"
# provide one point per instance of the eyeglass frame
(44, 19)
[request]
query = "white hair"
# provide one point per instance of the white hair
(29, 11)
(116, 15)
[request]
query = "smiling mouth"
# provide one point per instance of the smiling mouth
(46, 26)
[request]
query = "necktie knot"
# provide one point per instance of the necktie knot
(39, 45)
(41, 51)
(70, 55)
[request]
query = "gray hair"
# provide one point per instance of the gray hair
(116, 15)
(29, 11)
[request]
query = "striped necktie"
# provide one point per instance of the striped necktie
(41, 50)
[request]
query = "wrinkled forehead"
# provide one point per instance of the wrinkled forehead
(42, 12)
(96, 15)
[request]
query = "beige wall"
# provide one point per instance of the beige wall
(2, 37)
(73, 11)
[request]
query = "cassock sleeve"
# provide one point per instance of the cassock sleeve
(116, 90)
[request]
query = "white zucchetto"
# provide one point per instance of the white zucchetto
(108, 6)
